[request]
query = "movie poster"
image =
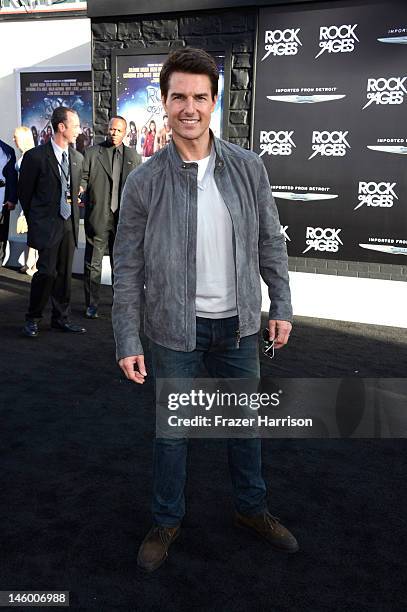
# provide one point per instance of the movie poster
(138, 100)
(25, 9)
(42, 92)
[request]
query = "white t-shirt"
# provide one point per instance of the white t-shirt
(215, 262)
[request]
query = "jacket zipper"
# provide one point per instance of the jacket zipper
(237, 305)
(186, 265)
(234, 257)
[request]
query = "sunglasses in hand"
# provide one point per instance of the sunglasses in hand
(268, 345)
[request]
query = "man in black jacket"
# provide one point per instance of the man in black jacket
(105, 169)
(48, 191)
(8, 192)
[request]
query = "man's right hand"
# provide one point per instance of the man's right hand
(134, 368)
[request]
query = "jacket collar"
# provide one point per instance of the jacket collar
(73, 166)
(178, 162)
(52, 159)
(105, 158)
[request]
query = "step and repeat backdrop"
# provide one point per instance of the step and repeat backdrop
(331, 127)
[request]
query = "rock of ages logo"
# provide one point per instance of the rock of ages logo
(322, 239)
(376, 194)
(281, 42)
(283, 231)
(337, 39)
(329, 144)
(276, 143)
(385, 91)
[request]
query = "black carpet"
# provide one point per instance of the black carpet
(76, 478)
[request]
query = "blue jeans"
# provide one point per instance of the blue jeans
(217, 350)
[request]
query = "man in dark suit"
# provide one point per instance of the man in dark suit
(48, 191)
(105, 169)
(8, 192)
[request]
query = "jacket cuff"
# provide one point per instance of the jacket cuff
(129, 348)
(281, 315)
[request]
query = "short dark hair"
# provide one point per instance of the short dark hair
(60, 115)
(194, 61)
(119, 117)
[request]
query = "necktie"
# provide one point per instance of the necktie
(117, 168)
(64, 207)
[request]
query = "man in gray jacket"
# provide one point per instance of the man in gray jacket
(198, 226)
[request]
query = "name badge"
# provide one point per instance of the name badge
(68, 198)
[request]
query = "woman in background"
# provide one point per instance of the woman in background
(24, 140)
(141, 140)
(148, 148)
(164, 135)
(132, 135)
(48, 133)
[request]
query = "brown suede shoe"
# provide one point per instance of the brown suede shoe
(269, 528)
(154, 548)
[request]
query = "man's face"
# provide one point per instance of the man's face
(189, 105)
(71, 127)
(116, 131)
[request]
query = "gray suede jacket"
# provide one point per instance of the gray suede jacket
(155, 248)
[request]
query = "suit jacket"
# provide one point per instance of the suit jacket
(97, 182)
(9, 174)
(39, 190)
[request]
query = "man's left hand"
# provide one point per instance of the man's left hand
(280, 332)
(9, 205)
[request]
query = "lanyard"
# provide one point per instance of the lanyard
(66, 176)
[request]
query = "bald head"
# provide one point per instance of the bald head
(117, 130)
